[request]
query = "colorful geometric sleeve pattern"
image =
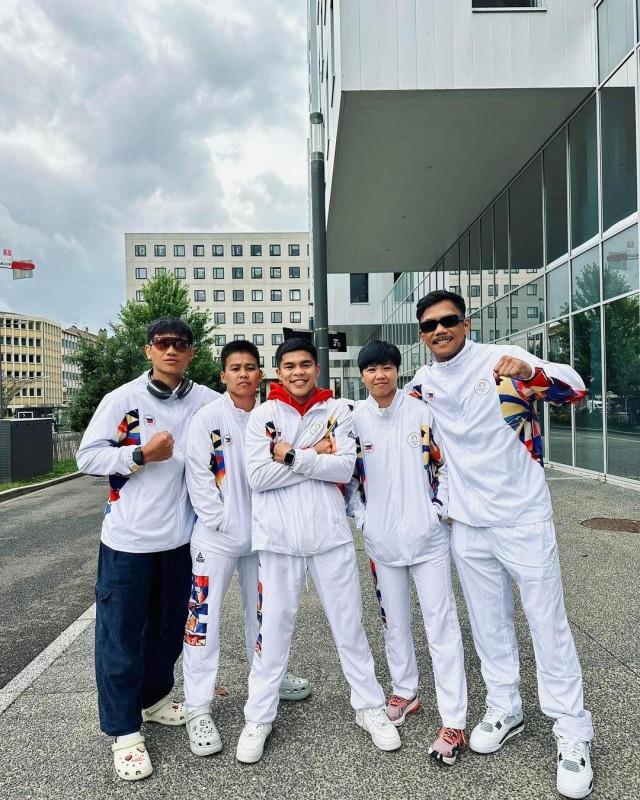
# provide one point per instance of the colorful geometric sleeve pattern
(128, 433)
(259, 616)
(374, 575)
(552, 390)
(272, 433)
(359, 471)
(216, 460)
(431, 459)
(332, 424)
(519, 412)
(416, 392)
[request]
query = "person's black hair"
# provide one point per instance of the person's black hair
(238, 346)
(379, 353)
(438, 296)
(296, 343)
(165, 325)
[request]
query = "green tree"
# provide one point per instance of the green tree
(113, 360)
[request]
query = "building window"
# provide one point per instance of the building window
(199, 273)
(256, 249)
(261, 362)
(499, 5)
(238, 317)
(532, 289)
(274, 362)
(257, 317)
(585, 279)
(525, 218)
(218, 295)
(238, 337)
(140, 250)
(583, 157)
(238, 295)
(139, 296)
(359, 287)
(276, 317)
(256, 295)
(532, 312)
(276, 295)
(620, 261)
(199, 295)
(277, 338)
(274, 249)
(493, 289)
(237, 273)
(218, 273)
(474, 290)
(618, 138)
(294, 249)
(220, 318)
(555, 197)
(256, 273)
(295, 316)
(141, 273)
(217, 250)
(178, 250)
(294, 272)
(219, 339)
(198, 250)
(180, 273)
(558, 292)
(160, 271)
(258, 338)
(160, 250)
(275, 272)
(236, 250)
(295, 294)
(615, 34)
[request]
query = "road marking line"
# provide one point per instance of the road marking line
(24, 679)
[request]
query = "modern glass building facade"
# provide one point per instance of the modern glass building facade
(552, 263)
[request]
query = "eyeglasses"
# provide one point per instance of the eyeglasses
(181, 345)
(448, 321)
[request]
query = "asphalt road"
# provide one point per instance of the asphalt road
(48, 554)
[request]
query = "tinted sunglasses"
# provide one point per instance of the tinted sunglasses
(181, 345)
(448, 321)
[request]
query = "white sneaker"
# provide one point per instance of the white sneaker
(204, 739)
(575, 776)
(294, 688)
(376, 722)
(494, 730)
(251, 741)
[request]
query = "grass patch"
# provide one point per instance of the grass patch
(59, 468)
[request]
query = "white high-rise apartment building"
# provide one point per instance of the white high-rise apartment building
(254, 284)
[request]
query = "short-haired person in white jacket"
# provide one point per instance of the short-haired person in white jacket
(301, 451)
(484, 399)
(221, 540)
(137, 437)
(400, 502)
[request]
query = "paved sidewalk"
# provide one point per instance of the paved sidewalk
(52, 747)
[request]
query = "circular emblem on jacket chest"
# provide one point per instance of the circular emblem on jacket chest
(482, 386)
(413, 439)
(315, 428)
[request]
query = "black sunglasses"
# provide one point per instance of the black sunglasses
(448, 321)
(181, 345)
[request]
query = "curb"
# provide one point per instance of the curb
(9, 494)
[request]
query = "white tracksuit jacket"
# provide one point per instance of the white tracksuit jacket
(148, 509)
(299, 510)
(490, 433)
(217, 478)
(402, 481)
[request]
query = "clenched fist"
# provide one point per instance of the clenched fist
(512, 367)
(159, 447)
(326, 446)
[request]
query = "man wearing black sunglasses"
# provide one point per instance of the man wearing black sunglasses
(137, 437)
(483, 397)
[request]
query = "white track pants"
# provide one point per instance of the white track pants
(438, 605)
(201, 650)
(488, 560)
(335, 576)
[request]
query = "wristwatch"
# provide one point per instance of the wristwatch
(289, 457)
(138, 457)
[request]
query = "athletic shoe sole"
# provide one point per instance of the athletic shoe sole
(380, 744)
(508, 735)
(448, 760)
(575, 795)
(410, 709)
(299, 694)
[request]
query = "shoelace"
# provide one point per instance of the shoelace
(255, 730)
(380, 717)
(396, 700)
(452, 736)
(492, 715)
(572, 750)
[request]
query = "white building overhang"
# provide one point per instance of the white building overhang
(412, 169)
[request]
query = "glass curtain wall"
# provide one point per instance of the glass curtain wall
(552, 265)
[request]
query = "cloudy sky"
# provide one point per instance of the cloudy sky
(148, 115)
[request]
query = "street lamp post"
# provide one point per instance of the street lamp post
(319, 236)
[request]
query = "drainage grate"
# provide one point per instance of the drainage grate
(612, 524)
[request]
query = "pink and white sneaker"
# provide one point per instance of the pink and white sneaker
(449, 744)
(398, 708)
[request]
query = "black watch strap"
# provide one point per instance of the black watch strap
(138, 457)
(290, 457)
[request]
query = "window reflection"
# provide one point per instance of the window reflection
(620, 257)
(587, 361)
(560, 447)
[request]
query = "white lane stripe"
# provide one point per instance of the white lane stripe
(40, 663)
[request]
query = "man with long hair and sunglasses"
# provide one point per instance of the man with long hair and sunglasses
(137, 437)
(484, 399)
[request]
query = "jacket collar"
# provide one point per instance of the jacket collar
(278, 392)
(460, 358)
(390, 410)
